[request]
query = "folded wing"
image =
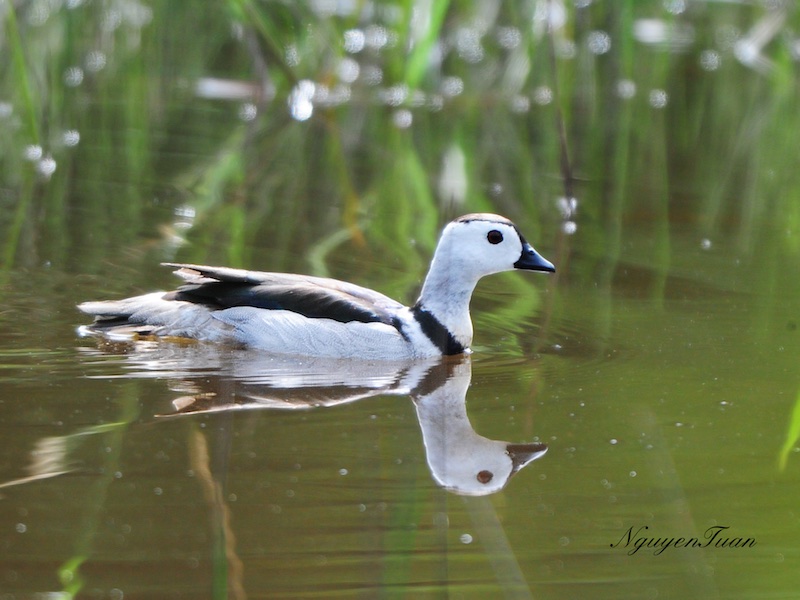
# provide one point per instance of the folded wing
(219, 288)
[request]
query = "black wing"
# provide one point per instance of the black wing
(314, 297)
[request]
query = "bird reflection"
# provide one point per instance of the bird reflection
(460, 460)
(211, 381)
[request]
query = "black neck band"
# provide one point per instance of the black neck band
(436, 332)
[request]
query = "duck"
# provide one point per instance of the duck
(306, 315)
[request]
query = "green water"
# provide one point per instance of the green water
(658, 366)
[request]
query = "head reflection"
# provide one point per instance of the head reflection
(460, 459)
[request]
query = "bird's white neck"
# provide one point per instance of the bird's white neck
(446, 295)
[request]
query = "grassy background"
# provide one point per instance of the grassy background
(485, 88)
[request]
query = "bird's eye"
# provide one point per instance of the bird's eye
(494, 236)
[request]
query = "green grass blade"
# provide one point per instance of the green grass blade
(418, 60)
(792, 435)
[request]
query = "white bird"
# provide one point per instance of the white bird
(315, 316)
